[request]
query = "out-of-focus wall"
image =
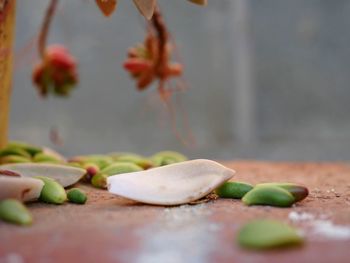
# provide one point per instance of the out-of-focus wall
(298, 66)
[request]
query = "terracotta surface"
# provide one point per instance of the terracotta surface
(112, 229)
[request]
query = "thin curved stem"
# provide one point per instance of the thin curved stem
(46, 26)
(163, 35)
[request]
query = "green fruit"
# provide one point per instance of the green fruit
(136, 159)
(233, 190)
(31, 149)
(14, 151)
(99, 181)
(77, 196)
(91, 168)
(75, 164)
(298, 191)
(45, 158)
(120, 167)
(120, 155)
(52, 192)
(167, 157)
(13, 211)
(98, 159)
(14, 159)
(269, 195)
(268, 234)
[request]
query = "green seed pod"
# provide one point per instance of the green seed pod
(233, 190)
(45, 158)
(298, 191)
(269, 195)
(75, 164)
(14, 159)
(52, 192)
(268, 234)
(13, 211)
(167, 157)
(117, 155)
(136, 159)
(120, 168)
(77, 196)
(91, 168)
(31, 149)
(14, 151)
(100, 160)
(99, 181)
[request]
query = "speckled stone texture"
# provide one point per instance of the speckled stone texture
(112, 229)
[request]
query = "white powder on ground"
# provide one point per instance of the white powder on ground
(327, 229)
(182, 234)
(296, 217)
(12, 258)
(321, 227)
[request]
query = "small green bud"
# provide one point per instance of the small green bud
(14, 159)
(136, 159)
(269, 195)
(52, 191)
(99, 181)
(298, 191)
(233, 190)
(31, 149)
(14, 152)
(167, 157)
(121, 167)
(77, 196)
(45, 158)
(75, 164)
(268, 234)
(13, 211)
(98, 159)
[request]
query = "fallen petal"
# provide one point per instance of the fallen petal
(23, 189)
(173, 184)
(65, 175)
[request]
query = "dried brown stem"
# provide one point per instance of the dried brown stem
(50, 12)
(163, 36)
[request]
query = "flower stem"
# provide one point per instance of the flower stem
(50, 12)
(7, 26)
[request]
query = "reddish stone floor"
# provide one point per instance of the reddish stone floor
(113, 229)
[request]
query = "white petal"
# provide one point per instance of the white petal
(64, 175)
(173, 184)
(23, 189)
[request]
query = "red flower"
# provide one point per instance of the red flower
(143, 63)
(56, 73)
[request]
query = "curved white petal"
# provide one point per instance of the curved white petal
(64, 175)
(173, 184)
(23, 189)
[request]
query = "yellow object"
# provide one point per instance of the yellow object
(7, 28)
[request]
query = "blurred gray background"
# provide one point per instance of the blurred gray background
(268, 79)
